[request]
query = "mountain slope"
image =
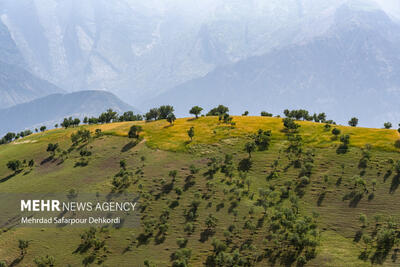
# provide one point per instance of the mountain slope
(138, 49)
(53, 108)
(8, 50)
(250, 214)
(354, 66)
(16, 84)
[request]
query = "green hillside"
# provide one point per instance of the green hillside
(297, 199)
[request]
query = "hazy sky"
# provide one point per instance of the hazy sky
(392, 7)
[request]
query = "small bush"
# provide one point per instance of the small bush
(304, 181)
(81, 163)
(362, 164)
(266, 114)
(189, 228)
(85, 153)
(44, 261)
(181, 242)
(335, 131)
(193, 169)
(397, 144)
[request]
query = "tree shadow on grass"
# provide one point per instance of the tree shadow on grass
(387, 175)
(5, 179)
(167, 126)
(371, 196)
(394, 255)
(380, 255)
(60, 162)
(206, 234)
(286, 168)
(143, 239)
(321, 199)
(46, 160)
(167, 188)
(27, 172)
(159, 239)
(16, 261)
(342, 149)
(358, 236)
(189, 182)
(128, 146)
(354, 198)
(395, 184)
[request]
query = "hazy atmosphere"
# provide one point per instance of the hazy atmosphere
(187, 133)
(335, 56)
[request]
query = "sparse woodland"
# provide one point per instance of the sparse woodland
(215, 190)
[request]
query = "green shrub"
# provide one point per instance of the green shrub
(181, 242)
(44, 261)
(134, 131)
(335, 131)
(266, 114)
(397, 143)
(14, 165)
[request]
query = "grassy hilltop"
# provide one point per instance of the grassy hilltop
(298, 201)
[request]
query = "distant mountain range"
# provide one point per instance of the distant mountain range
(17, 85)
(52, 109)
(352, 70)
(337, 56)
(139, 49)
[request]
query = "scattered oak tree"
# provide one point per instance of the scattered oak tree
(263, 139)
(190, 133)
(265, 114)
(387, 125)
(9, 137)
(196, 110)
(165, 111)
(153, 114)
(250, 147)
(353, 122)
(134, 131)
(108, 116)
(171, 118)
(130, 116)
(336, 132)
(290, 125)
(345, 139)
(14, 165)
(51, 148)
(82, 135)
(23, 246)
(218, 111)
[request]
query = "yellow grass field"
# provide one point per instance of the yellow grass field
(208, 130)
